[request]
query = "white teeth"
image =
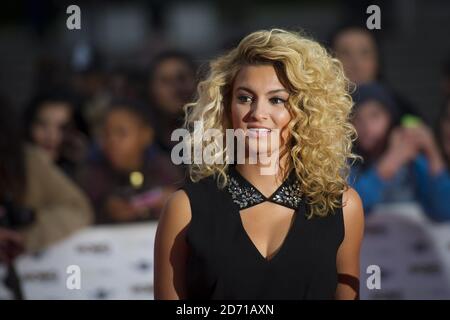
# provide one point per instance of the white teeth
(260, 129)
(256, 132)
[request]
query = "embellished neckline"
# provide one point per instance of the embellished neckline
(245, 195)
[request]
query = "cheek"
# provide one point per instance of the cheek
(359, 122)
(384, 124)
(378, 128)
(159, 91)
(237, 116)
(58, 134)
(281, 120)
(37, 133)
(163, 92)
(134, 142)
(369, 65)
(119, 147)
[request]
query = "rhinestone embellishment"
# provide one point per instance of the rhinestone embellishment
(245, 195)
(288, 195)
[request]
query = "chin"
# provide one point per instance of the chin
(261, 152)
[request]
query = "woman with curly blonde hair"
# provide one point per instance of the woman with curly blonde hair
(235, 232)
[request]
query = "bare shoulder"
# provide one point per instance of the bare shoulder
(352, 203)
(177, 211)
(171, 249)
(352, 210)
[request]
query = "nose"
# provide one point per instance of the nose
(259, 111)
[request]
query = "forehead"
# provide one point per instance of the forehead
(54, 105)
(54, 109)
(371, 106)
(122, 116)
(171, 65)
(354, 37)
(258, 78)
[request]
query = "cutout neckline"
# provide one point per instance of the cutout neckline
(246, 195)
(280, 249)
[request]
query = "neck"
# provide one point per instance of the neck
(266, 183)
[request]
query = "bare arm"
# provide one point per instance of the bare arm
(171, 250)
(348, 255)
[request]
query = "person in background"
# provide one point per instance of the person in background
(443, 123)
(401, 158)
(443, 131)
(127, 82)
(171, 84)
(54, 123)
(358, 50)
(129, 178)
(89, 81)
(39, 205)
(445, 82)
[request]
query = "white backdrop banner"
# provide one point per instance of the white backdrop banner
(113, 262)
(412, 253)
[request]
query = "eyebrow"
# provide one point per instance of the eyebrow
(269, 92)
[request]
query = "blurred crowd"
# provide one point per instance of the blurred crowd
(95, 148)
(92, 150)
(403, 158)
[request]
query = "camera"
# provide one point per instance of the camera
(14, 216)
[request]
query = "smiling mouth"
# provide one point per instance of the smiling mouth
(258, 132)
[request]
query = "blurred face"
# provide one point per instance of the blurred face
(49, 127)
(358, 53)
(124, 140)
(173, 85)
(372, 123)
(445, 131)
(259, 106)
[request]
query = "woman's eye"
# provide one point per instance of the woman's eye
(245, 99)
(276, 100)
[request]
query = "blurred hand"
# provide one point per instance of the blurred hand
(402, 148)
(162, 199)
(11, 245)
(153, 199)
(120, 209)
(427, 144)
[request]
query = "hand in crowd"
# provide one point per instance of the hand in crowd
(120, 209)
(428, 146)
(405, 143)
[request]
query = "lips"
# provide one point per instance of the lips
(258, 132)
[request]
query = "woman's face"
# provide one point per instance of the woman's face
(259, 107)
(372, 123)
(49, 127)
(173, 85)
(358, 53)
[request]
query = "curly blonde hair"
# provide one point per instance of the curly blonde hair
(321, 134)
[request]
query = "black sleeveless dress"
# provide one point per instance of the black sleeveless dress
(225, 264)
